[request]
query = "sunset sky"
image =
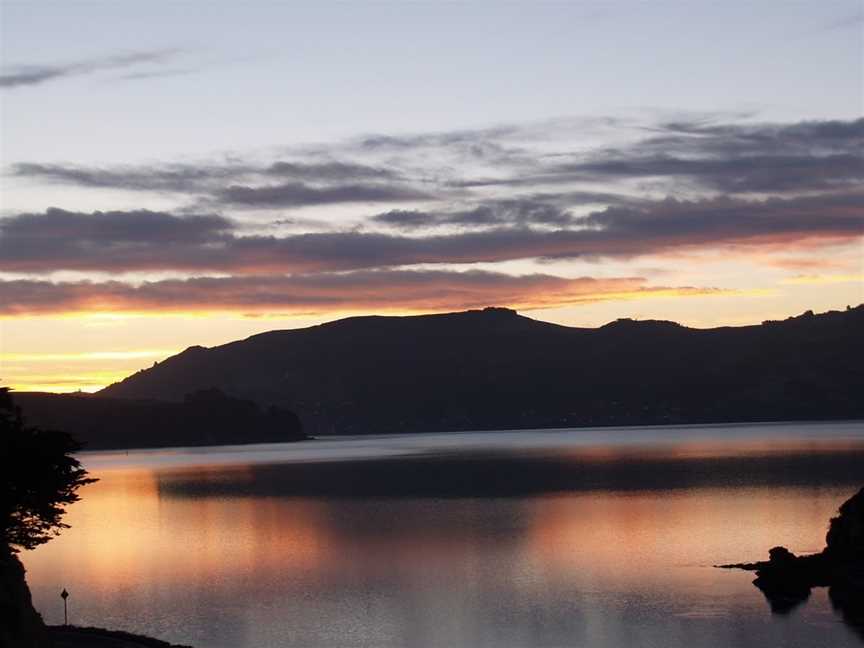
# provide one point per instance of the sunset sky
(194, 173)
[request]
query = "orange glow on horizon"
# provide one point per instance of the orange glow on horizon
(37, 352)
(825, 279)
(17, 367)
(121, 310)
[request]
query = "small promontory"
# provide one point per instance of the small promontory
(786, 579)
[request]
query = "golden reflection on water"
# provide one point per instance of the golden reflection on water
(610, 533)
(124, 532)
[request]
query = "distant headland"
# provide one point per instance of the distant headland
(483, 369)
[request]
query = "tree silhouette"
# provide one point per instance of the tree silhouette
(38, 478)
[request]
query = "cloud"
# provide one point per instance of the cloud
(203, 179)
(332, 171)
(685, 157)
(141, 227)
(27, 75)
(731, 158)
(809, 264)
(523, 212)
(359, 291)
(434, 157)
(479, 143)
(173, 178)
(810, 136)
(482, 216)
(825, 279)
(298, 194)
(538, 209)
(503, 143)
(755, 173)
(156, 74)
(140, 241)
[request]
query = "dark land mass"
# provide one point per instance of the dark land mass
(495, 369)
(75, 637)
(204, 417)
(475, 370)
(22, 627)
(786, 579)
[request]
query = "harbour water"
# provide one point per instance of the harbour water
(601, 538)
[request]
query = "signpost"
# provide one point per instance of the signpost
(65, 595)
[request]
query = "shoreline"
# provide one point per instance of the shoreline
(88, 637)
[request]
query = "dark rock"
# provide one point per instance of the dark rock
(20, 624)
(781, 556)
(786, 579)
(848, 601)
(845, 539)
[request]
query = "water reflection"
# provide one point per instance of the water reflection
(518, 474)
(850, 606)
(566, 546)
(845, 601)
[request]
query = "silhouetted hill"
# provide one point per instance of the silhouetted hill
(203, 417)
(496, 369)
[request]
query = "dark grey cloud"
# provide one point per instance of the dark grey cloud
(182, 178)
(26, 75)
(204, 179)
(365, 290)
(807, 155)
(137, 241)
(503, 140)
(298, 194)
(806, 139)
(691, 157)
(331, 171)
(729, 220)
(501, 146)
(32, 239)
(465, 138)
(156, 74)
(756, 173)
(515, 212)
(730, 158)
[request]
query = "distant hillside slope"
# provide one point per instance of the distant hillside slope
(204, 417)
(497, 369)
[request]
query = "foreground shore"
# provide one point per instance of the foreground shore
(75, 637)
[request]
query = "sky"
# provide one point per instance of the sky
(181, 173)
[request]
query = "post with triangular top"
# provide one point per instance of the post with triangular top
(65, 595)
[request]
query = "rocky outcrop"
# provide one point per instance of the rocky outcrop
(786, 579)
(20, 625)
(845, 539)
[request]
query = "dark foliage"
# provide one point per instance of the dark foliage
(39, 477)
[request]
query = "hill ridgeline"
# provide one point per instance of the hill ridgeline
(495, 369)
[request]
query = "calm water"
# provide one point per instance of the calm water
(515, 539)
